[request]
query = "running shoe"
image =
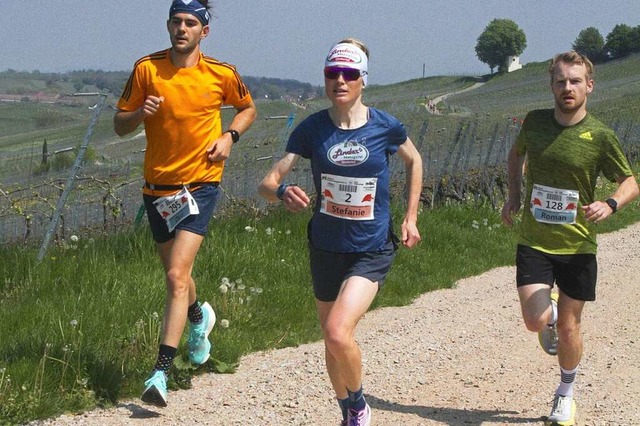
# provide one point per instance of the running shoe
(548, 337)
(563, 412)
(199, 345)
(155, 389)
(359, 418)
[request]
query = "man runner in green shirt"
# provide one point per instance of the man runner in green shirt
(565, 149)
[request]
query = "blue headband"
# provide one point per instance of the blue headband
(194, 7)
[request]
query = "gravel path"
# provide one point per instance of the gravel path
(454, 357)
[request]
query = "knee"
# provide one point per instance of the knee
(336, 340)
(534, 323)
(568, 330)
(177, 283)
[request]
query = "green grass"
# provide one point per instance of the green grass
(84, 323)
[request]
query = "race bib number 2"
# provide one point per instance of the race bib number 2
(554, 205)
(348, 197)
(176, 208)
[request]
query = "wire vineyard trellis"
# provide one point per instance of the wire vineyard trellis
(463, 165)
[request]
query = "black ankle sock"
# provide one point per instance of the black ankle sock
(166, 354)
(194, 313)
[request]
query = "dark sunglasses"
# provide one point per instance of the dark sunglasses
(349, 74)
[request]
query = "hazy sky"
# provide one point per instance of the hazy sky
(290, 38)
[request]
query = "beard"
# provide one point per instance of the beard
(569, 109)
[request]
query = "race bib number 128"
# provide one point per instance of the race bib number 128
(554, 205)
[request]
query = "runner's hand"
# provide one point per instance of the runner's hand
(509, 209)
(151, 105)
(597, 211)
(221, 148)
(410, 234)
(295, 199)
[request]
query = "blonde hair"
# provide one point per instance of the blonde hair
(571, 57)
(360, 45)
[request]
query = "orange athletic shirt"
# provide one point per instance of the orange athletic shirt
(188, 120)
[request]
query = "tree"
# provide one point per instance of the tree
(500, 39)
(590, 43)
(635, 39)
(620, 41)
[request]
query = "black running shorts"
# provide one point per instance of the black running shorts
(574, 274)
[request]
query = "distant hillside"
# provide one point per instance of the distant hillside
(28, 85)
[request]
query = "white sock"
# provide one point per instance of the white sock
(567, 379)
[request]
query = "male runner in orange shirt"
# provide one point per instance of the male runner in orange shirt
(177, 93)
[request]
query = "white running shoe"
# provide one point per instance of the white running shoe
(359, 418)
(563, 412)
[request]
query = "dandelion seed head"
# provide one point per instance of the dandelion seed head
(225, 281)
(224, 323)
(74, 323)
(223, 289)
(74, 238)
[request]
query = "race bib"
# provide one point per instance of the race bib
(554, 205)
(348, 197)
(175, 208)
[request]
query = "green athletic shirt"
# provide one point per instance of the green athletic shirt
(567, 158)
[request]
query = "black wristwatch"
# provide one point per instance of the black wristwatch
(281, 189)
(235, 136)
(613, 204)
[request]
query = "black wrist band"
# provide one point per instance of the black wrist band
(235, 136)
(613, 204)
(280, 191)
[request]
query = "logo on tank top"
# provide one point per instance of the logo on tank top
(347, 154)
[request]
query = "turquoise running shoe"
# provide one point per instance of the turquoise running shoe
(199, 345)
(155, 389)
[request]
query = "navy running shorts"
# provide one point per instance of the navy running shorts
(574, 274)
(330, 269)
